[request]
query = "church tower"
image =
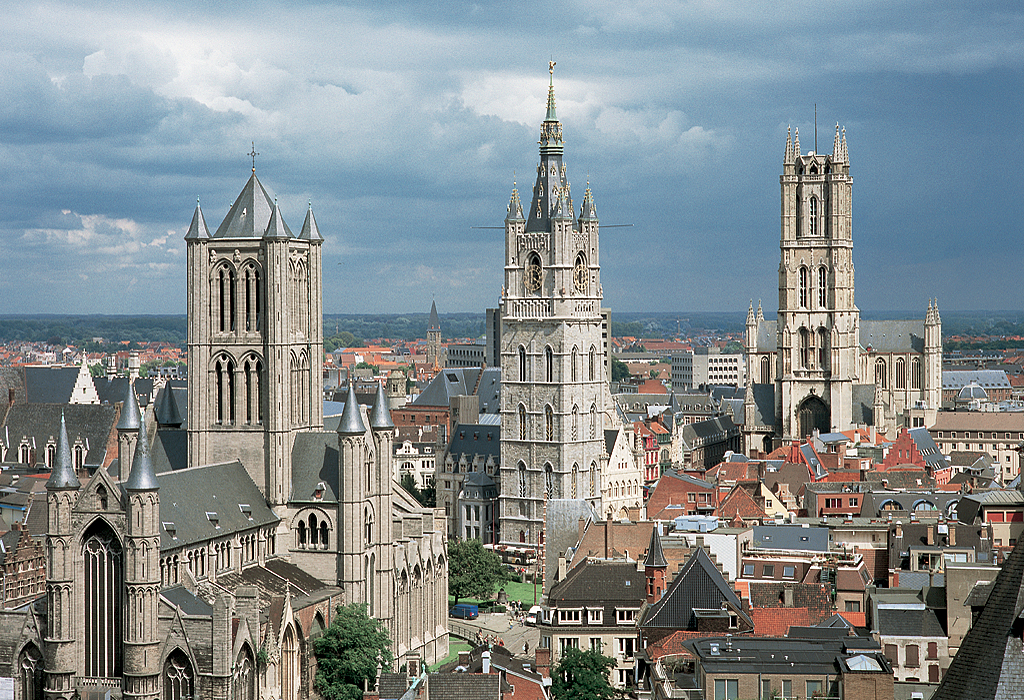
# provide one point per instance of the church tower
(552, 359)
(255, 338)
(436, 353)
(818, 322)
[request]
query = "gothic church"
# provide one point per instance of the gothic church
(819, 366)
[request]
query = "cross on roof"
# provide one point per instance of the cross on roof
(253, 153)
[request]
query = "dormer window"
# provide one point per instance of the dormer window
(171, 529)
(213, 518)
(246, 510)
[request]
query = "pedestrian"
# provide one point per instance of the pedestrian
(501, 642)
(526, 648)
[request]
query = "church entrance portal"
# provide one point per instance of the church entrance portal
(813, 413)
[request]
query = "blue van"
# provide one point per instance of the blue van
(465, 611)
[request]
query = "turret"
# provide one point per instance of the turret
(128, 430)
(355, 482)
(167, 414)
(655, 566)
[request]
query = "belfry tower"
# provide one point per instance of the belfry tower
(552, 360)
(255, 338)
(818, 322)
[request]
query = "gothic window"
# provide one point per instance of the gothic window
(103, 564)
(822, 287)
(822, 349)
(300, 534)
(575, 364)
(549, 481)
(371, 580)
(251, 301)
(574, 477)
(575, 422)
(324, 539)
(223, 299)
(30, 668)
(593, 479)
(79, 457)
(522, 363)
(300, 297)
(51, 456)
(901, 373)
(522, 480)
(881, 376)
(803, 287)
(522, 422)
(593, 362)
(766, 370)
(243, 682)
(549, 364)
(179, 678)
(549, 424)
(24, 454)
(300, 398)
(313, 531)
(317, 629)
(805, 348)
(252, 370)
(812, 216)
(593, 421)
(224, 369)
(915, 373)
(289, 664)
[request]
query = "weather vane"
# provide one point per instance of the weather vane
(253, 153)
(551, 67)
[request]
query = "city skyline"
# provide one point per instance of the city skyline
(405, 128)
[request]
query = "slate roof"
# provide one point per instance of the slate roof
(793, 537)
(655, 555)
(250, 215)
(863, 404)
(113, 389)
(562, 526)
(168, 407)
(600, 582)
(990, 378)
(781, 656)
(392, 686)
(170, 452)
(908, 623)
(93, 423)
(51, 384)
(892, 336)
(12, 378)
(463, 686)
(698, 585)
(927, 447)
(464, 381)
(185, 500)
(767, 336)
(314, 460)
(475, 439)
(181, 598)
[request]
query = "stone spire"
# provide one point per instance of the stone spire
(796, 143)
(63, 475)
(131, 417)
(143, 476)
(551, 117)
(351, 419)
(750, 313)
(197, 229)
(760, 314)
(837, 147)
(788, 157)
(588, 212)
(380, 416)
(310, 231)
(515, 207)
(277, 228)
(846, 154)
(434, 324)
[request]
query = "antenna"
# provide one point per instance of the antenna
(815, 127)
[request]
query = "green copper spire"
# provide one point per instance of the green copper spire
(551, 94)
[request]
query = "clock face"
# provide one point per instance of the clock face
(580, 277)
(533, 275)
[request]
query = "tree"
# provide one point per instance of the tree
(349, 652)
(473, 572)
(426, 497)
(582, 675)
(620, 370)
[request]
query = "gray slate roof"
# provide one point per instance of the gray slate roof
(93, 423)
(985, 378)
(51, 384)
(892, 336)
(186, 498)
(796, 537)
(908, 623)
(314, 460)
(113, 389)
(249, 216)
(698, 585)
(474, 439)
(464, 381)
(600, 582)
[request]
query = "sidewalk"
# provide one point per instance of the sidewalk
(496, 624)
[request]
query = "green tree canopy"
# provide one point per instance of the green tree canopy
(582, 675)
(349, 652)
(473, 572)
(619, 370)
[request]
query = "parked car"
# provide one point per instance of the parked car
(465, 611)
(533, 615)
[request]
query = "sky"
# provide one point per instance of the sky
(405, 124)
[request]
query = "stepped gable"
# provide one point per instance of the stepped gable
(990, 662)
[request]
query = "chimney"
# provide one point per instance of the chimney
(485, 659)
(952, 534)
(931, 535)
(371, 695)
(561, 567)
(464, 659)
(542, 661)
(787, 597)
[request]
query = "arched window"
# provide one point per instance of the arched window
(901, 373)
(549, 424)
(79, 457)
(316, 630)
(822, 349)
(324, 538)
(300, 533)
(368, 527)
(822, 287)
(521, 469)
(179, 677)
(881, 376)
(803, 287)
(51, 456)
(251, 297)
(805, 348)
(223, 298)
(593, 479)
(522, 363)
(766, 370)
(289, 664)
(593, 363)
(549, 481)
(549, 364)
(224, 369)
(522, 422)
(243, 682)
(252, 371)
(572, 484)
(103, 562)
(313, 531)
(593, 421)
(575, 363)
(812, 216)
(915, 373)
(24, 454)
(30, 668)
(575, 422)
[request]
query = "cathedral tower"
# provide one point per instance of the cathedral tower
(552, 359)
(818, 322)
(255, 338)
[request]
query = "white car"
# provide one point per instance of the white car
(533, 615)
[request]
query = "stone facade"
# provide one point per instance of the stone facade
(554, 383)
(830, 370)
